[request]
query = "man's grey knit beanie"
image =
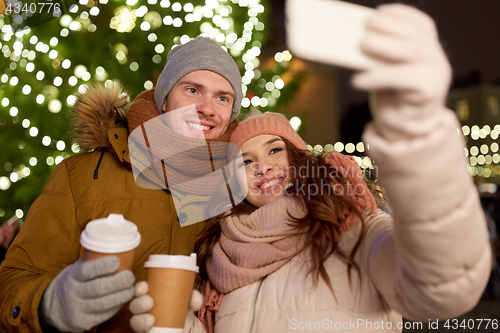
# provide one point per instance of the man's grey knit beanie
(200, 53)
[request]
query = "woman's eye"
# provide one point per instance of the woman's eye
(275, 150)
(247, 162)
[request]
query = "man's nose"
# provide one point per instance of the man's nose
(205, 106)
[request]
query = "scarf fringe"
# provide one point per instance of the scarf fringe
(354, 188)
(211, 304)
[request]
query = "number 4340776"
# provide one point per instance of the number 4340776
(471, 324)
(33, 8)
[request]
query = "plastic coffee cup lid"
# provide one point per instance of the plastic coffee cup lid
(187, 263)
(113, 234)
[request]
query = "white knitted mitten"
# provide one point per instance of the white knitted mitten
(86, 294)
(412, 87)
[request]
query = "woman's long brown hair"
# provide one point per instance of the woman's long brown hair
(321, 224)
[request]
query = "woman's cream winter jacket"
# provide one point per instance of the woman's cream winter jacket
(429, 260)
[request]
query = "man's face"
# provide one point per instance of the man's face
(213, 97)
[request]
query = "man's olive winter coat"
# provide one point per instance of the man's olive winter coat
(83, 188)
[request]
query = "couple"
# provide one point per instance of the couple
(286, 259)
(276, 262)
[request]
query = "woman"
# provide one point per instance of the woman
(312, 252)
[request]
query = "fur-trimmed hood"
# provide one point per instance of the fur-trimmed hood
(95, 112)
(100, 109)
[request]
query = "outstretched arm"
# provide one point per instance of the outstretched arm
(436, 262)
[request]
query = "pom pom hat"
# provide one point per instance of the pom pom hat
(266, 123)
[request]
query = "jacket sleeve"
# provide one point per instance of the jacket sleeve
(435, 262)
(46, 243)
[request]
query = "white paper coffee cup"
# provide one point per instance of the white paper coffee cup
(113, 235)
(187, 263)
(171, 280)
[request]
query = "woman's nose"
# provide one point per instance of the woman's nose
(263, 169)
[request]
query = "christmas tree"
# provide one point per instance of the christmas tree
(49, 55)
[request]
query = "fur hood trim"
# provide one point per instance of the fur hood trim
(95, 112)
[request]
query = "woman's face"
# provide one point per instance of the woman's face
(265, 159)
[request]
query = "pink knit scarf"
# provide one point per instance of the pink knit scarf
(251, 247)
(254, 246)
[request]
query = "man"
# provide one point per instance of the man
(44, 285)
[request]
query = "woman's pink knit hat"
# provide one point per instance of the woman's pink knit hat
(266, 123)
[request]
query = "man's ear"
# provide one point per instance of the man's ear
(164, 105)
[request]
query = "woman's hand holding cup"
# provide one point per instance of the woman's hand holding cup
(142, 320)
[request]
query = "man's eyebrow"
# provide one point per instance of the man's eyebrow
(229, 93)
(192, 83)
(266, 143)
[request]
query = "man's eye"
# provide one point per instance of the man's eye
(192, 90)
(224, 99)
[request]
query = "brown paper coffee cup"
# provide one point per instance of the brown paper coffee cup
(171, 280)
(126, 258)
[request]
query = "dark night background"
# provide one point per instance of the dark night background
(469, 31)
